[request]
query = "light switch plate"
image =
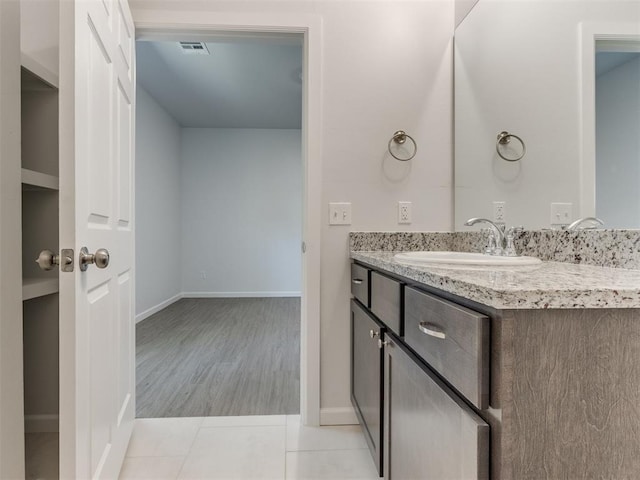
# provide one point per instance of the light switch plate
(340, 213)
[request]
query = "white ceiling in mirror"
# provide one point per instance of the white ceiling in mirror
(607, 61)
(243, 82)
(518, 67)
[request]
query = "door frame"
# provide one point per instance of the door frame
(156, 23)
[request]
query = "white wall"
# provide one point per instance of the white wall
(386, 65)
(517, 69)
(158, 225)
(618, 146)
(241, 212)
(39, 30)
(462, 8)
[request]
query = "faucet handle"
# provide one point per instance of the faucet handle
(491, 244)
(510, 249)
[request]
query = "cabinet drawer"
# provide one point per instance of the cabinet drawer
(453, 340)
(360, 283)
(430, 433)
(386, 295)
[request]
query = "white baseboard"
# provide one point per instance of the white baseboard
(338, 416)
(150, 311)
(238, 294)
(41, 423)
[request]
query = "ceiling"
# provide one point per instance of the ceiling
(245, 82)
(607, 61)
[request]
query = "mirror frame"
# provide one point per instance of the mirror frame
(590, 33)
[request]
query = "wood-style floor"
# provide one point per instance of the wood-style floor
(219, 356)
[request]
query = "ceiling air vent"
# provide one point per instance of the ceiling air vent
(194, 48)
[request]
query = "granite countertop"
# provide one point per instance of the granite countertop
(548, 285)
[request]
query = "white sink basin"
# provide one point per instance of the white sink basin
(463, 258)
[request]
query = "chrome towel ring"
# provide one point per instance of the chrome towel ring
(400, 137)
(503, 139)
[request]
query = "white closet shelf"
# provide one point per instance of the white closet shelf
(41, 180)
(39, 70)
(39, 287)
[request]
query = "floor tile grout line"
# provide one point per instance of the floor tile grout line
(189, 450)
(329, 450)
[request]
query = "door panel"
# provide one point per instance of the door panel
(99, 136)
(125, 126)
(97, 142)
(101, 399)
(124, 341)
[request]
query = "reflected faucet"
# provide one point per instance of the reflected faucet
(578, 224)
(497, 231)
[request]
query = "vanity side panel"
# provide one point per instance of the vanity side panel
(570, 394)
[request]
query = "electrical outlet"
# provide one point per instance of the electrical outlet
(561, 213)
(499, 212)
(340, 213)
(404, 212)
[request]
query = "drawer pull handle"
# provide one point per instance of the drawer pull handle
(373, 333)
(431, 330)
(356, 281)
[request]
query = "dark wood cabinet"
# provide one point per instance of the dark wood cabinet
(458, 372)
(366, 377)
(429, 431)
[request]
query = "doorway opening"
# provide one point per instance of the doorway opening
(219, 194)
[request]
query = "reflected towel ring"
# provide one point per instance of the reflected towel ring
(503, 139)
(400, 137)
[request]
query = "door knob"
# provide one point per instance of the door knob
(47, 260)
(100, 258)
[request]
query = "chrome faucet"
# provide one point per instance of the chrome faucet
(496, 230)
(577, 225)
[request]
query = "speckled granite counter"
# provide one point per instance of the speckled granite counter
(549, 285)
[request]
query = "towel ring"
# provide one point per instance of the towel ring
(400, 137)
(503, 139)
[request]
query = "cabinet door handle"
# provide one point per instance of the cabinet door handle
(431, 330)
(356, 281)
(373, 333)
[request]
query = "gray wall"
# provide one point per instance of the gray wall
(241, 212)
(218, 211)
(158, 227)
(618, 146)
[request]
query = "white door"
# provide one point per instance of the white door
(97, 359)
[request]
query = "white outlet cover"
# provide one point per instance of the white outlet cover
(404, 212)
(499, 211)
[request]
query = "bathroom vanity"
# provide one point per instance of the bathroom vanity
(523, 373)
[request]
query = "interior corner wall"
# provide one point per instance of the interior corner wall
(158, 237)
(617, 146)
(241, 212)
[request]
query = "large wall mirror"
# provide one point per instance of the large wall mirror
(564, 76)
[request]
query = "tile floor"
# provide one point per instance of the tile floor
(255, 447)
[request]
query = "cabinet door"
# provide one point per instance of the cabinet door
(366, 377)
(429, 431)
